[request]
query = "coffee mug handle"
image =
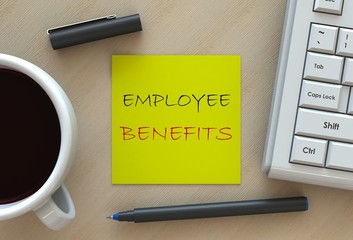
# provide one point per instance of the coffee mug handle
(58, 211)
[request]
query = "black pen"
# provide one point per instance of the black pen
(92, 30)
(208, 210)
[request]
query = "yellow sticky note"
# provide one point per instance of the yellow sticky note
(176, 119)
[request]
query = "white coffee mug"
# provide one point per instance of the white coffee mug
(52, 202)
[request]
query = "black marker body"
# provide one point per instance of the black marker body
(93, 30)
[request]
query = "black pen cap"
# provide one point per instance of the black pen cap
(92, 30)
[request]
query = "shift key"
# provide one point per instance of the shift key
(325, 125)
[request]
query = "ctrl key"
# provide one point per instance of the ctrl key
(309, 151)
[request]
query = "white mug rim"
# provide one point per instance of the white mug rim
(68, 128)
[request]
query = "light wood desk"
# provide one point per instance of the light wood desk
(249, 28)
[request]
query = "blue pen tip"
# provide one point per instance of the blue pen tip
(115, 216)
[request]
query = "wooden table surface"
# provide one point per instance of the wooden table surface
(249, 28)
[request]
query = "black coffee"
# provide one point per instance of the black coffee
(30, 136)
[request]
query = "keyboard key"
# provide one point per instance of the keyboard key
(350, 104)
(309, 151)
(324, 96)
(328, 6)
(345, 43)
(334, 126)
(323, 67)
(323, 38)
(339, 156)
(347, 77)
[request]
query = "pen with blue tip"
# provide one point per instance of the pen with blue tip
(208, 210)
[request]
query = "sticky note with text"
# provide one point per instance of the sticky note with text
(176, 119)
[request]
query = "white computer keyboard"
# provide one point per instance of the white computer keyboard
(310, 133)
